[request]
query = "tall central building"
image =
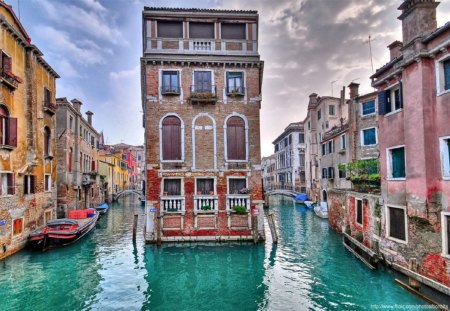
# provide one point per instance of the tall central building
(201, 96)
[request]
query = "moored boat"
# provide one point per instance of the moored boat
(300, 198)
(321, 209)
(309, 204)
(65, 231)
(102, 208)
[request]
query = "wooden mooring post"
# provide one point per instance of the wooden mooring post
(413, 267)
(255, 229)
(135, 227)
(273, 230)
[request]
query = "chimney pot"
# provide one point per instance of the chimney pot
(354, 90)
(76, 104)
(395, 48)
(89, 117)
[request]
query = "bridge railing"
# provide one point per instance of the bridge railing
(286, 187)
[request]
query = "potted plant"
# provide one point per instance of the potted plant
(244, 191)
(240, 210)
(206, 208)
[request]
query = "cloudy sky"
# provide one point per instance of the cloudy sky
(95, 46)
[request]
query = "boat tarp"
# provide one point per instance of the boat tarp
(301, 197)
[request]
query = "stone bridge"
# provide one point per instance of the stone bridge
(128, 192)
(285, 192)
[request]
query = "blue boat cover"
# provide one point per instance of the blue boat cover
(301, 197)
(102, 206)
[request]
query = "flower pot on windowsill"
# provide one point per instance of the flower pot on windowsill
(165, 193)
(199, 193)
(211, 193)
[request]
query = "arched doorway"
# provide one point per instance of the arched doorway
(324, 195)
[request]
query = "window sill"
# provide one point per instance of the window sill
(397, 240)
(396, 179)
(368, 115)
(445, 177)
(446, 256)
(369, 146)
(393, 112)
(6, 147)
(443, 93)
(172, 161)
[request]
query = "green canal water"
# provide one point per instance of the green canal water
(308, 270)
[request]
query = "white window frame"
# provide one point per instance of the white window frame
(388, 223)
(235, 114)
(244, 84)
(48, 183)
(445, 157)
(161, 141)
(445, 252)
(206, 177)
(182, 194)
(356, 212)
(362, 108)
(343, 140)
(362, 136)
(160, 71)
(12, 226)
(334, 110)
(440, 79)
(45, 215)
(392, 89)
(4, 193)
(235, 177)
(389, 163)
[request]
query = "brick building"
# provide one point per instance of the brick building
(27, 135)
(79, 183)
(201, 86)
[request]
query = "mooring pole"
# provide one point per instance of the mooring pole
(413, 267)
(255, 229)
(158, 230)
(135, 227)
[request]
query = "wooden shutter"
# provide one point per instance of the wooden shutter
(93, 166)
(448, 234)
(447, 75)
(397, 223)
(7, 63)
(170, 29)
(11, 132)
(11, 184)
(202, 80)
(234, 31)
(382, 102)
(32, 184)
(47, 96)
(398, 163)
(171, 138)
(359, 212)
(17, 226)
(235, 139)
(400, 91)
(70, 160)
(201, 30)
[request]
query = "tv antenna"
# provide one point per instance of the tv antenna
(370, 50)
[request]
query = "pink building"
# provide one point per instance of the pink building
(414, 143)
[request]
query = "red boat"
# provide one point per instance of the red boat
(65, 231)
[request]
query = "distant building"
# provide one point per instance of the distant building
(79, 183)
(27, 135)
(202, 78)
(268, 169)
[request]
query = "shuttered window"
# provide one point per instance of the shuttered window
(398, 162)
(172, 186)
(47, 145)
(236, 139)
(6, 62)
(8, 128)
(447, 75)
(368, 108)
(17, 226)
(235, 83)
(170, 82)
(359, 212)
(390, 100)
(324, 173)
(205, 185)
(369, 137)
(202, 82)
(47, 182)
(170, 29)
(29, 184)
(331, 110)
(235, 185)
(234, 31)
(397, 226)
(301, 138)
(171, 138)
(7, 184)
(331, 172)
(201, 30)
(47, 97)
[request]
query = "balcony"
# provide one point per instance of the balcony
(49, 107)
(170, 90)
(203, 94)
(234, 200)
(206, 204)
(10, 79)
(235, 91)
(172, 204)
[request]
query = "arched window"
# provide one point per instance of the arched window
(8, 128)
(47, 144)
(70, 160)
(236, 139)
(171, 138)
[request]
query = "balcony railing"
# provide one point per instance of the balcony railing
(202, 45)
(49, 107)
(206, 94)
(235, 91)
(206, 203)
(170, 90)
(10, 79)
(238, 200)
(172, 204)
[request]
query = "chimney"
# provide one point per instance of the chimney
(354, 90)
(395, 48)
(312, 100)
(60, 100)
(89, 117)
(76, 104)
(418, 18)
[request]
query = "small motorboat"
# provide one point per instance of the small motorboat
(65, 231)
(300, 198)
(102, 208)
(321, 210)
(309, 204)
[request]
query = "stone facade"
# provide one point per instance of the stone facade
(79, 183)
(28, 136)
(268, 165)
(210, 152)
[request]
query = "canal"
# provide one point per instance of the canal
(308, 270)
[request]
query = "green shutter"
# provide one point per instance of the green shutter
(447, 74)
(398, 163)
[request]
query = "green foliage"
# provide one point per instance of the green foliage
(206, 207)
(359, 237)
(364, 174)
(240, 209)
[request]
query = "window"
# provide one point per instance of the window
(331, 146)
(301, 138)
(17, 226)
(170, 82)
(235, 85)
(47, 142)
(171, 138)
(205, 186)
(6, 62)
(8, 128)
(201, 30)
(7, 185)
(170, 29)
(445, 225)
(48, 182)
(368, 108)
(447, 74)
(202, 82)
(319, 114)
(235, 185)
(396, 163)
(369, 137)
(93, 165)
(330, 172)
(390, 100)
(324, 173)
(324, 149)
(309, 125)
(172, 186)
(71, 123)
(70, 155)
(343, 142)
(443, 75)
(359, 212)
(29, 184)
(342, 174)
(234, 31)
(396, 223)
(236, 139)
(47, 97)
(47, 216)
(444, 143)
(331, 110)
